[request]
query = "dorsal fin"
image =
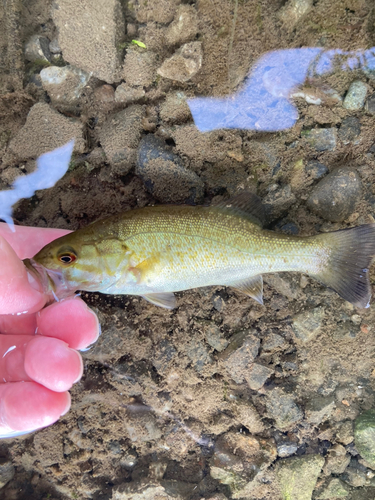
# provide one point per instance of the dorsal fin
(245, 204)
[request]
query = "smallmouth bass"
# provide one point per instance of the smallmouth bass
(155, 251)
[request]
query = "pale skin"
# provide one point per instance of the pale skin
(39, 361)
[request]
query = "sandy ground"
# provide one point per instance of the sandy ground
(158, 409)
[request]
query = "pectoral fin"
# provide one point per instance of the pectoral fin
(167, 300)
(251, 286)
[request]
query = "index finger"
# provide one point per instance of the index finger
(27, 241)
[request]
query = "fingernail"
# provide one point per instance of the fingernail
(67, 408)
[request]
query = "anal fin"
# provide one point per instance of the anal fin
(250, 286)
(166, 300)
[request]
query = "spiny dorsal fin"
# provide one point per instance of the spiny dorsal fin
(245, 204)
(251, 286)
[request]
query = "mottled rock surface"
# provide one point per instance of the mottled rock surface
(91, 46)
(164, 174)
(335, 197)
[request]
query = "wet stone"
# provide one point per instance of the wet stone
(54, 46)
(356, 96)
(164, 175)
(184, 27)
(158, 11)
(335, 489)
(322, 139)
(142, 490)
(215, 338)
(349, 130)
(164, 356)
(307, 325)
(139, 67)
(120, 136)
(184, 64)
(64, 85)
(282, 408)
(370, 104)
(92, 46)
(37, 49)
(272, 341)
(345, 433)
(198, 354)
(316, 170)
(298, 476)
(237, 364)
(335, 197)
(289, 228)
(174, 109)
(247, 415)
(257, 376)
(46, 129)
(337, 460)
(129, 460)
(286, 449)
(364, 434)
(278, 200)
(127, 94)
(354, 477)
(7, 472)
(319, 409)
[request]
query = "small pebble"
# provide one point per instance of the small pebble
(349, 130)
(356, 96)
(37, 49)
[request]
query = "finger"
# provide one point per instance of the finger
(52, 363)
(27, 241)
(13, 324)
(19, 291)
(26, 406)
(48, 361)
(71, 321)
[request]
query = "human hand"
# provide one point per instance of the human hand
(38, 360)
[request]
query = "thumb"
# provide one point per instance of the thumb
(20, 292)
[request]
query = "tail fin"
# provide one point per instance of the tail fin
(347, 269)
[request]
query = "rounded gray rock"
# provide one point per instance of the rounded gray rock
(164, 174)
(335, 197)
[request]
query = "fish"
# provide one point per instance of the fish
(156, 251)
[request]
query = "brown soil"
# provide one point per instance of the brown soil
(154, 390)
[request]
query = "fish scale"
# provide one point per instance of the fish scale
(155, 251)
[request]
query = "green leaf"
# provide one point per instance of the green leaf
(140, 44)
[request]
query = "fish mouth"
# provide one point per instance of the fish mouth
(53, 283)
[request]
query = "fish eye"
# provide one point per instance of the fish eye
(67, 258)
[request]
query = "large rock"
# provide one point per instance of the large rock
(238, 362)
(7, 472)
(364, 435)
(335, 197)
(184, 26)
(307, 324)
(90, 35)
(164, 174)
(298, 476)
(46, 129)
(120, 136)
(282, 408)
(184, 64)
(139, 67)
